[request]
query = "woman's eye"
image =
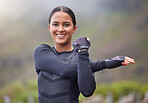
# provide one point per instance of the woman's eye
(55, 24)
(66, 24)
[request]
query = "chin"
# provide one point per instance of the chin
(62, 43)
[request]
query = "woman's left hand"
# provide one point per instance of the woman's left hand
(127, 61)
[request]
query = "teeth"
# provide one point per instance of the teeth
(61, 35)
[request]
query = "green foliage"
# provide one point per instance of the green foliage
(144, 88)
(19, 92)
(122, 88)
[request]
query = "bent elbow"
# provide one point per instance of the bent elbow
(88, 92)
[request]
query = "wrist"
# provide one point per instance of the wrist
(82, 50)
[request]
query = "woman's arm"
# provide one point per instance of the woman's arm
(86, 80)
(97, 65)
(110, 63)
(46, 60)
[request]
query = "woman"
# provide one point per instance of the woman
(64, 71)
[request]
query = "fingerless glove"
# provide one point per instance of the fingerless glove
(81, 43)
(114, 62)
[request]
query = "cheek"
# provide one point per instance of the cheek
(52, 32)
(70, 30)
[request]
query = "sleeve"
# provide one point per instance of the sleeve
(97, 65)
(46, 60)
(107, 63)
(86, 80)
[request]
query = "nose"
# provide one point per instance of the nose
(60, 29)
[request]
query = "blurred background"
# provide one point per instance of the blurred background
(115, 27)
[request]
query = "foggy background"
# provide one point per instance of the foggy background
(115, 27)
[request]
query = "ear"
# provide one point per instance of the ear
(75, 28)
(49, 27)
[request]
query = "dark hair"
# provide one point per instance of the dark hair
(63, 9)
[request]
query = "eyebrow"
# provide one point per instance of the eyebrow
(67, 22)
(63, 22)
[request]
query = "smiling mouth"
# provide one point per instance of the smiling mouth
(61, 35)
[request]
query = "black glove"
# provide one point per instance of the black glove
(114, 62)
(81, 43)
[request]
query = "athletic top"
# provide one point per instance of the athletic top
(63, 75)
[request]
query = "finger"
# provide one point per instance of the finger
(125, 63)
(130, 60)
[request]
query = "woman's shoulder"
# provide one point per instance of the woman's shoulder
(42, 47)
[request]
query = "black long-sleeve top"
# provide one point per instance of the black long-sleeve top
(62, 76)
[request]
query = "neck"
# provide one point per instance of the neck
(62, 48)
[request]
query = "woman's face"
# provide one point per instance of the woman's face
(61, 28)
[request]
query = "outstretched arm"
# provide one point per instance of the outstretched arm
(111, 63)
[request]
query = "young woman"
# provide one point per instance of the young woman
(65, 70)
